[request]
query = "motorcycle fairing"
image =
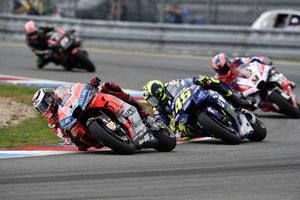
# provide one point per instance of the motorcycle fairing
(251, 77)
(79, 95)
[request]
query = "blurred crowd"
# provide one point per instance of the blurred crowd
(172, 11)
(35, 7)
(118, 10)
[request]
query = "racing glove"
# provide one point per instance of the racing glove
(66, 139)
(251, 104)
(201, 80)
(95, 82)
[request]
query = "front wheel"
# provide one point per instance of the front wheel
(216, 129)
(166, 140)
(120, 143)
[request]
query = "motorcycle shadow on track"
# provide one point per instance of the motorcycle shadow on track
(215, 142)
(273, 116)
(112, 153)
(60, 70)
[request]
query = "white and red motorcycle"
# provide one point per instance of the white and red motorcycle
(271, 90)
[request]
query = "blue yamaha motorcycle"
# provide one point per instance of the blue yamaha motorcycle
(209, 114)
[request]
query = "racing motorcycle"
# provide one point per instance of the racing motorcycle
(109, 120)
(65, 50)
(207, 113)
(270, 89)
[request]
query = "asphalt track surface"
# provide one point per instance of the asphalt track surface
(194, 170)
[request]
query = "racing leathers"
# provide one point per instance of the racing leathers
(88, 141)
(39, 45)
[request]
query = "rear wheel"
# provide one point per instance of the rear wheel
(166, 140)
(119, 141)
(216, 129)
(84, 61)
(285, 107)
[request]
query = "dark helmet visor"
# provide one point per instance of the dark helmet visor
(224, 70)
(44, 105)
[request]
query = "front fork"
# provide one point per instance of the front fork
(141, 136)
(286, 86)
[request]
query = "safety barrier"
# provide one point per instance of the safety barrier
(189, 39)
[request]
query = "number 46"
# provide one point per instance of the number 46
(184, 96)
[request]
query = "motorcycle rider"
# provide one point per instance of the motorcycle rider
(45, 100)
(160, 96)
(227, 70)
(36, 39)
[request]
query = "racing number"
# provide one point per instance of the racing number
(184, 96)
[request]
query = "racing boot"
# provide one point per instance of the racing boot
(151, 123)
(147, 140)
(84, 142)
(115, 89)
(267, 107)
(41, 62)
(188, 136)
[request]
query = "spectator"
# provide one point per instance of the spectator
(2, 5)
(175, 14)
(295, 22)
(118, 10)
(281, 21)
(30, 7)
(50, 8)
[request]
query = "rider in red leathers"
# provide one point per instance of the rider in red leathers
(45, 102)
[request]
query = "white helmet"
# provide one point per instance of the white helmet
(42, 99)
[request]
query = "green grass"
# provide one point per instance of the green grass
(31, 131)
(18, 93)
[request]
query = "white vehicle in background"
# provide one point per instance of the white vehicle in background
(286, 19)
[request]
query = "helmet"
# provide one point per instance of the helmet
(42, 99)
(31, 30)
(155, 93)
(221, 64)
(30, 27)
(295, 21)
